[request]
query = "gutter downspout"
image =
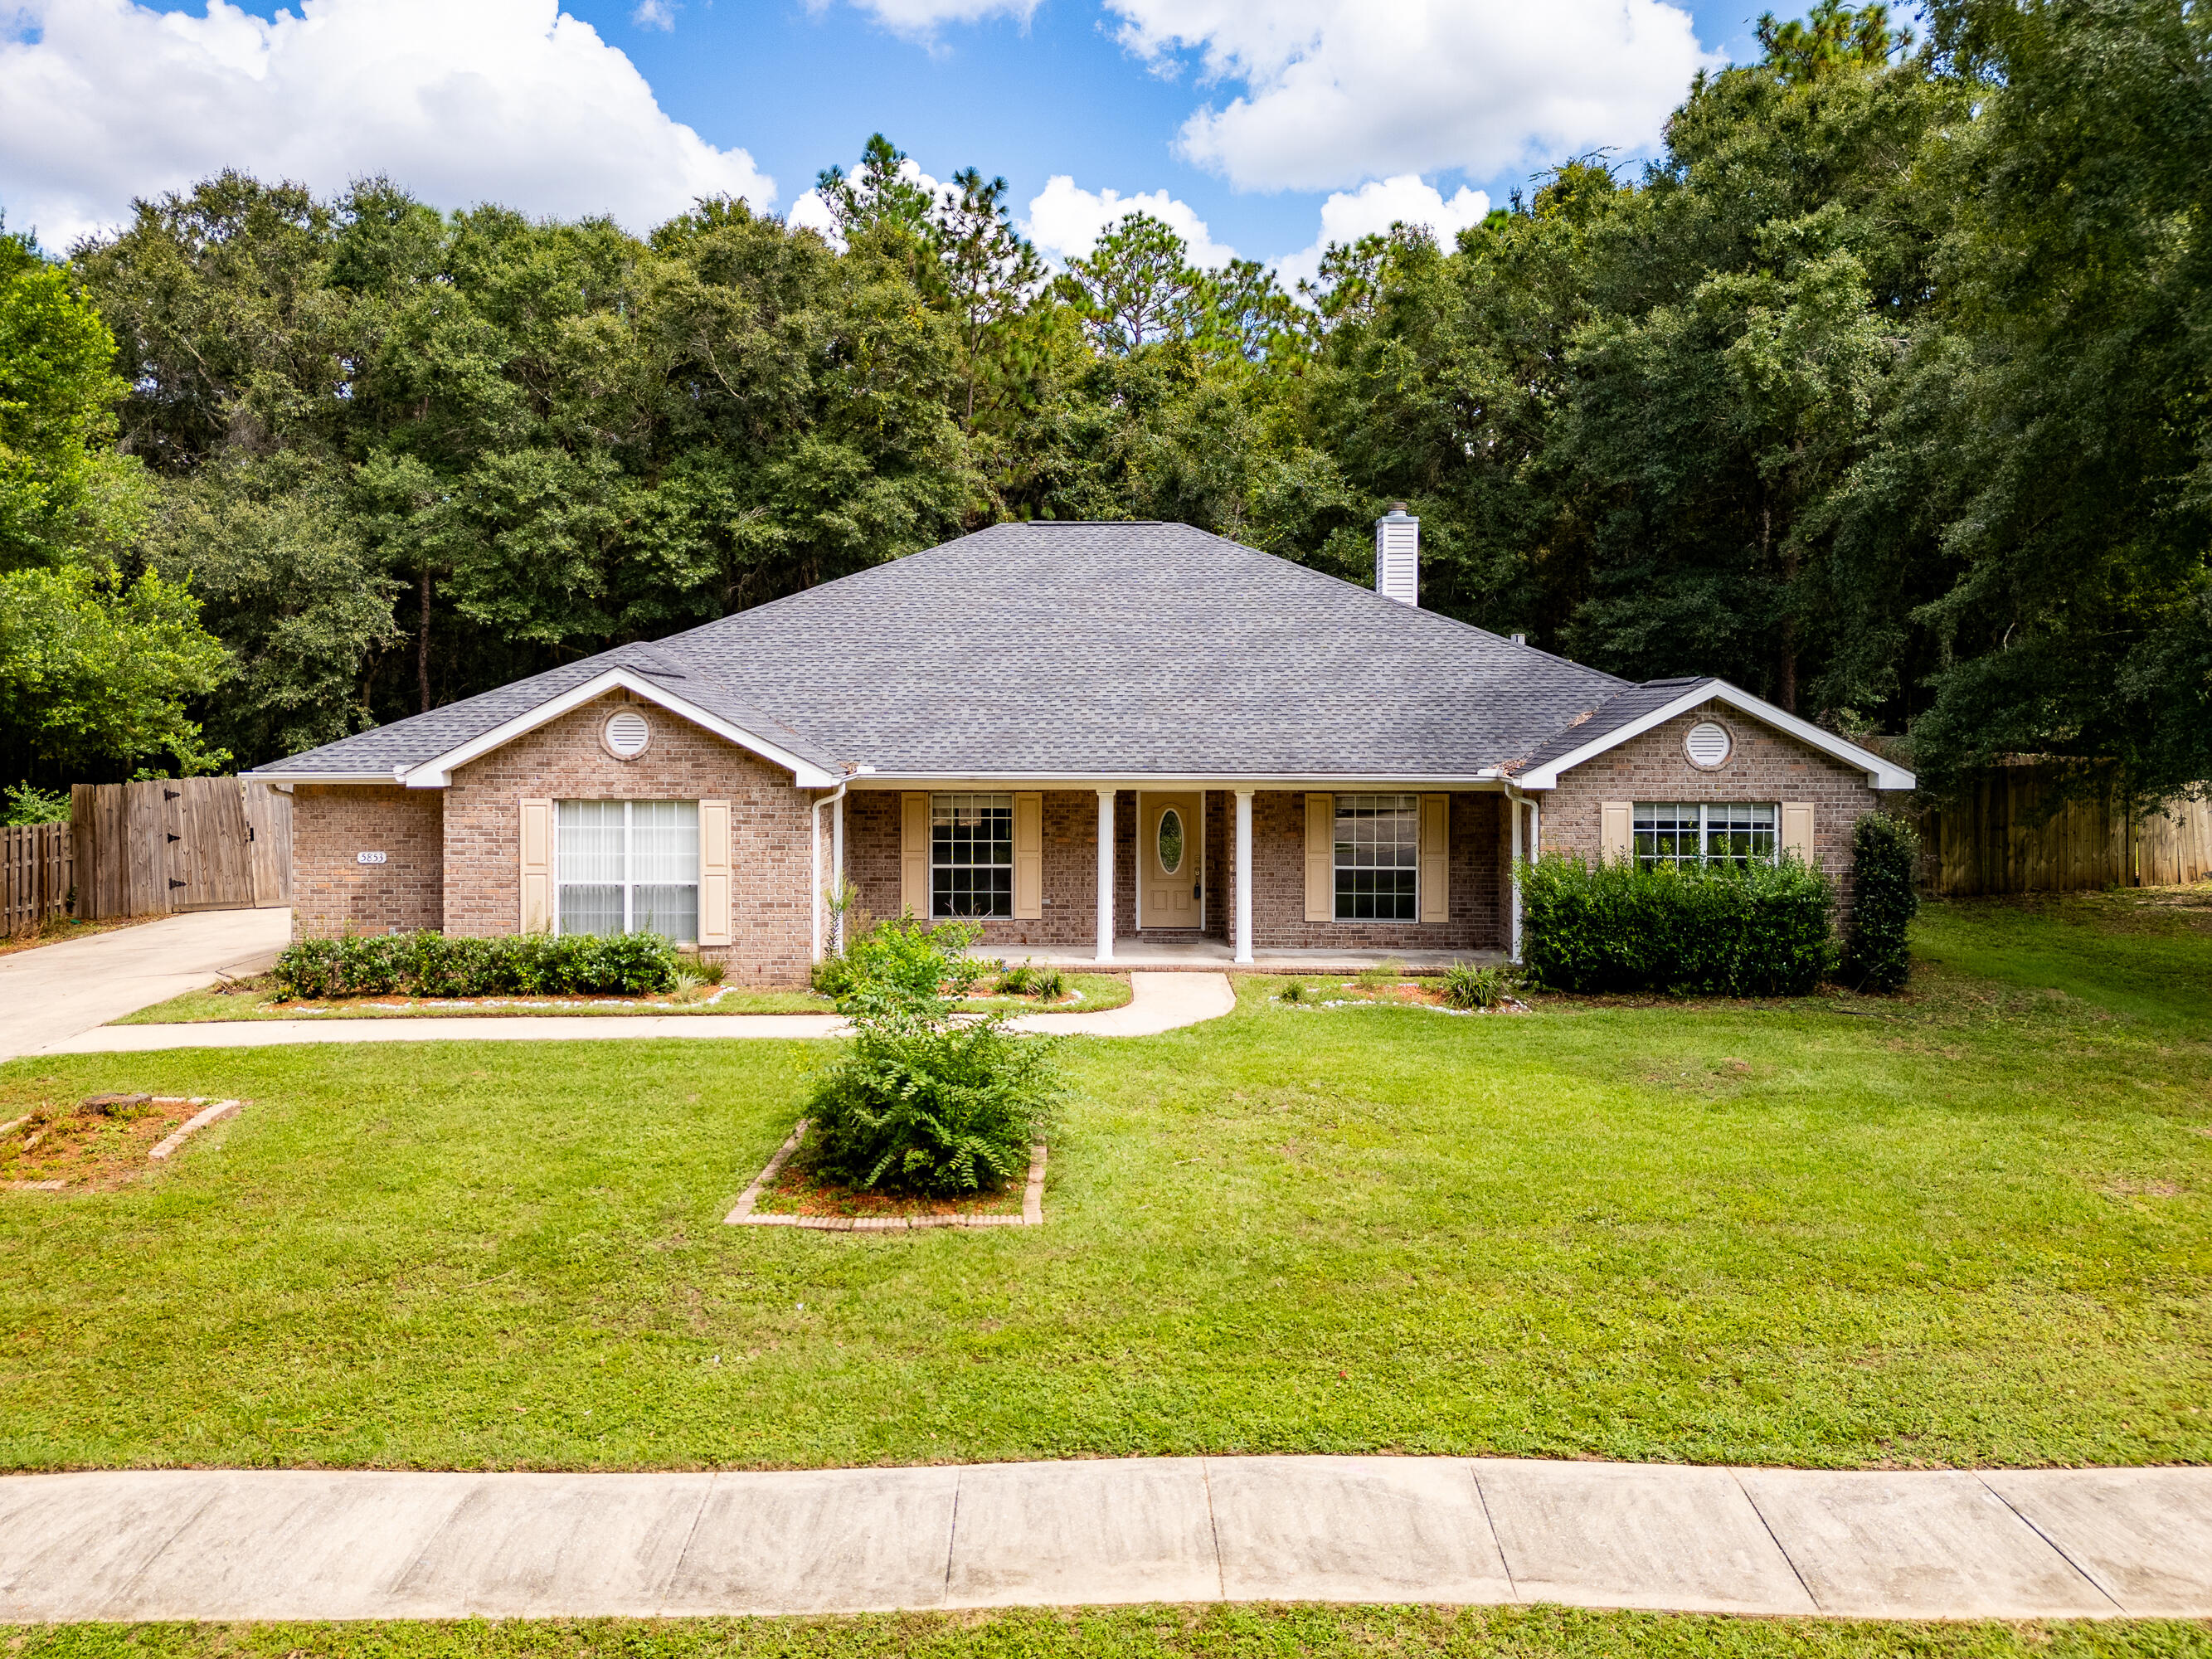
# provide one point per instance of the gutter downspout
(821, 801)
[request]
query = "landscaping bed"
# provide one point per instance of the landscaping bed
(254, 998)
(1970, 1225)
(53, 1143)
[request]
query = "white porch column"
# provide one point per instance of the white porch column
(1513, 805)
(1105, 875)
(1243, 875)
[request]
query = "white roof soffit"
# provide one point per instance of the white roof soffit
(1881, 773)
(438, 772)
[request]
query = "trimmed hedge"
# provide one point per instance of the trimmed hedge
(1715, 930)
(432, 965)
(1885, 852)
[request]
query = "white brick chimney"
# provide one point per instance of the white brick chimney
(1398, 556)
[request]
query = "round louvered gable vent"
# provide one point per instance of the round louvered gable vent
(1708, 743)
(627, 734)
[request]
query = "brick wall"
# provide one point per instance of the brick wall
(1764, 765)
(771, 869)
(1071, 867)
(333, 892)
(1279, 885)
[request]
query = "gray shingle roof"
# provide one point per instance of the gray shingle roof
(1617, 711)
(1096, 649)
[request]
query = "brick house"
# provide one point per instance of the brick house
(1103, 741)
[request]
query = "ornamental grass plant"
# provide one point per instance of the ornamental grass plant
(1753, 929)
(929, 1101)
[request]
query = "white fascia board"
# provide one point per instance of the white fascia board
(437, 772)
(277, 775)
(1881, 773)
(1487, 778)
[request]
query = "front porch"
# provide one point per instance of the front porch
(1191, 876)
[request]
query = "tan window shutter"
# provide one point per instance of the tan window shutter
(1435, 857)
(714, 873)
(1029, 855)
(1616, 835)
(1321, 858)
(536, 842)
(1797, 829)
(913, 855)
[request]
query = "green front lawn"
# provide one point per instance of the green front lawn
(1971, 1227)
(1149, 1632)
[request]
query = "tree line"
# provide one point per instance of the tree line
(1884, 391)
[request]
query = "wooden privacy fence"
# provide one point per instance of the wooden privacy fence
(180, 844)
(38, 874)
(2018, 832)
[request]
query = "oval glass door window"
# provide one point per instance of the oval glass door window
(1171, 841)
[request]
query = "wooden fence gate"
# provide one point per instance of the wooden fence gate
(180, 844)
(37, 870)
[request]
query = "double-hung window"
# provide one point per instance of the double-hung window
(1689, 832)
(628, 867)
(1378, 857)
(971, 856)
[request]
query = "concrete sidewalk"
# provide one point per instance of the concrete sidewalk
(244, 1544)
(51, 994)
(1157, 1002)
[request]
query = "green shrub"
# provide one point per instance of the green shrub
(929, 1100)
(433, 964)
(1885, 854)
(1049, 985)
(1721, 929)
(714, 969)
(1017, 982)
(1294, 990)
(1466, 986)
(28, 804)
(832, 975)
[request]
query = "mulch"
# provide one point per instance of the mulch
(797, 1191)
(92, 1146)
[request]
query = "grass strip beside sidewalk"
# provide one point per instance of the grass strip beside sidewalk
(1256, 1631)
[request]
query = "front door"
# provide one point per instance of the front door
(1170, 853)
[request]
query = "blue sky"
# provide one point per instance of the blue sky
(1267, 125)
(800, 90)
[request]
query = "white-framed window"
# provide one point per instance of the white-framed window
(971, 856)
(627, 866)
(1684, 832)
(1378, 863)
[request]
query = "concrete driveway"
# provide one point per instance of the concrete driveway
(59, 991)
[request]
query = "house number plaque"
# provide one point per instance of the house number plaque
(368, 857)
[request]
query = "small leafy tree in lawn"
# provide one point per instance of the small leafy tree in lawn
(1884, 901)
(930, 1100)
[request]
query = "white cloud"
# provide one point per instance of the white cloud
(1337, 91)
(654, 15)
(811, 211)
(1065, 221)
(1377, 205)
(482, 100)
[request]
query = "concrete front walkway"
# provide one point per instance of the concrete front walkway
(1157, 1002)
(221, 1544)
(51, 994)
